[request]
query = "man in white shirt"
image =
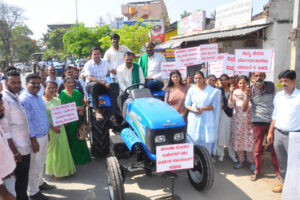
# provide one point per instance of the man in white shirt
(285, 119)
(15, 126)
(115, 54)
(129, 73)
(7, 164)
(43, 76)
(150, 63)
(51, 70)
(97, 71)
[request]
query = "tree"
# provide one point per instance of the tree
(134, 36)
(54, 39)
(10, 17)
(185, 14)
(22, 45)
(80, 39)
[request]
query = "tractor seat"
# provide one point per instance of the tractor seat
(140, 93)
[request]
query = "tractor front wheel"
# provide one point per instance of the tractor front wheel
(202, 175)
(114, 179)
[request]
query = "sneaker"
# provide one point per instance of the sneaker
(238, 166)
(278, 188)
(46, 186)
(252, 167)
(39, 196)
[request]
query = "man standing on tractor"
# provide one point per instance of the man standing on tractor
(115, 54)
(151, 66)
(96, 71)
(129, 73)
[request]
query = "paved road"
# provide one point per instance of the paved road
(89, 183)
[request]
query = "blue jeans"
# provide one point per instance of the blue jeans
(154, 85)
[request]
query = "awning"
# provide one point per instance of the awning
(174, 43)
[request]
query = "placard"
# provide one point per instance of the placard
(166, 69)
(224, 64)
(208, 52)
(174, 157)
(253, 60)
(217, 67)
(188, 56)
(64, 114)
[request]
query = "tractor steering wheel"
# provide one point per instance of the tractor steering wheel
(129, 88)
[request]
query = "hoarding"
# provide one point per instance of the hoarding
(157, 34)
(193, 23)
(234, 13)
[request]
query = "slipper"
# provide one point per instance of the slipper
(254, 176)
(238, 166)
(252, 167)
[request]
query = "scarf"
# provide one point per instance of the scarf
(144, 63)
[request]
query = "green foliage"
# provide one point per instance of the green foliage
(50, 53)
(54, 39)
(134, 37)
(23, 46)
(80, 39)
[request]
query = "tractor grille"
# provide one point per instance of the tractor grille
(168, 132)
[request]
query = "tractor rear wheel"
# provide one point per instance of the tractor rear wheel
(114, 179)
(99, 138)
(202, 175)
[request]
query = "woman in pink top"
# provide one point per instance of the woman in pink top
(176, 92)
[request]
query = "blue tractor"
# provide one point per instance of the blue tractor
(151, 123)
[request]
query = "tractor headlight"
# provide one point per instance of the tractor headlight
(178, 136)
(160, 139)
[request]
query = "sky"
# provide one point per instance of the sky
(39, 13)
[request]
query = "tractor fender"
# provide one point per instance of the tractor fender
(130, 138)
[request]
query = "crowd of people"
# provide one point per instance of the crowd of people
(220, 112)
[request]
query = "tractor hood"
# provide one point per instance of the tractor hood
(154, 114)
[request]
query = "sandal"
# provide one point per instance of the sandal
(238, 166)
(254, 176)
(252, 167)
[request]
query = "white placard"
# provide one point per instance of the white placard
(229, 65)
(187, 56)
(224, 64)
(182, 70)
(174, 157)
(64, 114)
(253, 60)
(166, 69)
(208, 52)
(217, 67)
(291, 187)
(234, 13)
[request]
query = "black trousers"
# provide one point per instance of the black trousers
(95, 89)
(22, 175)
